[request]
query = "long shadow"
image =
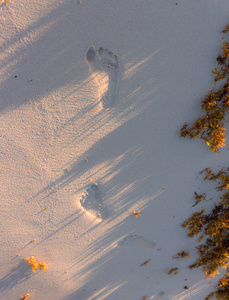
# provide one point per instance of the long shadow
(110, 152)
(64, 223)
(126, 183)
(41, 64)
(116, 264)
(42, 60)
(15, 276)
(129, 107)
(39, 59)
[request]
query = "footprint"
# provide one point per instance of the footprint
(91, 203)
(159, 295)
(135, 240)
(104, 67)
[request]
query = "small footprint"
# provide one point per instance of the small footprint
(159, 295)
(91, 203)
(104, 67)
(135, 240)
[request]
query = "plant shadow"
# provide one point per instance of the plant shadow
(16, 275)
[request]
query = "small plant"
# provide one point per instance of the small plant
(136, 213)
(183, 254)
(25, 297)
(145, 263)
(36, 265)
(199, 198)
(210, 127)
(173, 271)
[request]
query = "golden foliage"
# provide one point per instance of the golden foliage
(25, 297)
(145, 263)
(36, 265)
(136, 213)
(173, 271)
(214, 226)
(183, 254)
(210, 127)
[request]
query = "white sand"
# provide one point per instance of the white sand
(61, 141)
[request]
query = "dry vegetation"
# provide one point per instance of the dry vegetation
(213, 227)
(145, 263)
(25, 297)
(36, 265)
(210, 127)
(173, 271)
(182, 254)
(136, 213)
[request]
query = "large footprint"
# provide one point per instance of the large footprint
(91, 203)
(104, 68)
(135, 240)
